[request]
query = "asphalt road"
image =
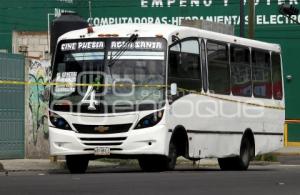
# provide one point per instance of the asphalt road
(271, 179)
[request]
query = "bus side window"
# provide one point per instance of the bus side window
(261, 74)
(240, 71)
(276, 76)
(184, 65)
(174, 55)
(218, 68)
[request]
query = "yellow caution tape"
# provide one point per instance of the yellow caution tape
(10, 82)
(7, 82)
(231, 100)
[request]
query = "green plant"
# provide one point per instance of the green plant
(266, 157)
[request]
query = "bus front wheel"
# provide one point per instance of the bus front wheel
(77, 163)
(154, 163)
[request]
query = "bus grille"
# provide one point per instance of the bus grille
(102, 129)
(103, 141)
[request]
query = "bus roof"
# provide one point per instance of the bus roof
(166, 31)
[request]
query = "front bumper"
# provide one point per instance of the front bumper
(146, 141)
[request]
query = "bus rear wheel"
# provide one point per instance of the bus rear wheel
(240, 162)
(77, 163)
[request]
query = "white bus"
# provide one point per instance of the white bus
(157, 92)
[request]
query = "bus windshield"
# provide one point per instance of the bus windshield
(109, 75)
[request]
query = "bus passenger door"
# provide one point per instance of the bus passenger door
(185, 71)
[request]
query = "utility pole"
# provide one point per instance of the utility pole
(48, 34)
(242, 19)
(251, 24)
(90, 9)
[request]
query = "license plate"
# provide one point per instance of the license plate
(102, 151)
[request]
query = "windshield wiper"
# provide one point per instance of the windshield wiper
(117, 55)
(65, 96)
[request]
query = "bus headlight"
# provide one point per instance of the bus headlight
(150, 120)
(58, 121)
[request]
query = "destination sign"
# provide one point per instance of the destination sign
(151, 45)
(82, 46)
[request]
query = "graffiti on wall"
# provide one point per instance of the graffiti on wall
(38, 99)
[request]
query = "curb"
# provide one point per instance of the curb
(287, 154)
(264, 163)
(48, 167)
(29, 169)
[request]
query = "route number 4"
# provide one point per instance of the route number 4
(89, 98)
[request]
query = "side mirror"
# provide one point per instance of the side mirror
(173, 89)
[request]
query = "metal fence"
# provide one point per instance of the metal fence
(11, 107)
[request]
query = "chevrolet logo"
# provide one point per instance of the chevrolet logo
(101, 129)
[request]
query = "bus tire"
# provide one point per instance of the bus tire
(240, 162)
(245, 154)
(155, 163)
(77, 163)
(151, 163)
(227, 163)
(145, 163)
(172, 158)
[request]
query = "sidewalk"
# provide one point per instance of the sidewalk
(288, 151)
(42, 165)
